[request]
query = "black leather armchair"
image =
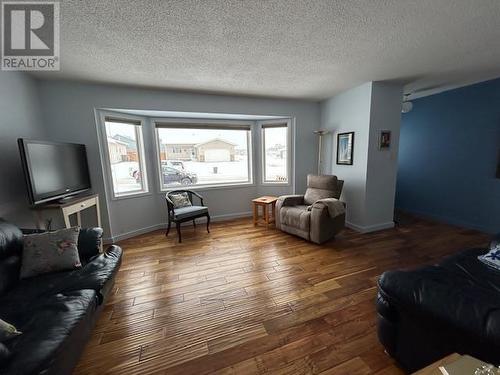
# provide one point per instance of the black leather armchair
(428, 313)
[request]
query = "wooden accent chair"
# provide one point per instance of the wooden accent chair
(183, 214)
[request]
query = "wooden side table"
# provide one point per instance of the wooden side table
(264, 202)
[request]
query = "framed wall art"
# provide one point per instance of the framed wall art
(345, 148)
(384, 142)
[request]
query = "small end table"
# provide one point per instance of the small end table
(264, 202)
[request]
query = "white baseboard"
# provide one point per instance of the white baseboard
(236, 215)
(370, 228)
(151, 228)
(133, 233)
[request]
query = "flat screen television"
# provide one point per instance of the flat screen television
(53, 170)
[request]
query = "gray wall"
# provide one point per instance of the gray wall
(370, 182)
(20, 118)
(346, 112)
(68, 112)
(385, 114)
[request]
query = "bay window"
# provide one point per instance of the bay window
(124, 148)
(275, 153)
(203, 154)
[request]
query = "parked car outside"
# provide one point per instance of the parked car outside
(172, 172)
(177, 164)
(172, 175)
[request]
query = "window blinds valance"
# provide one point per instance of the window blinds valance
(121, 120)
(280, 125)
(180, 125)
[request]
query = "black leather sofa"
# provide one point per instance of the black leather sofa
(56, 312)
(428, 313)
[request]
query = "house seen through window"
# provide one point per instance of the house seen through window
(191, 155)
(125, 154)
(275, 153)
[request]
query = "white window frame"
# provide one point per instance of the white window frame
(106, 162)
(200, 123)
(289, 169)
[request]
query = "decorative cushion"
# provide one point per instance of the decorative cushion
(50, 252)
(186, 212)
(180, 200)
(7, 331)
(492, 258)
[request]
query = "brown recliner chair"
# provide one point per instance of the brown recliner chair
(315, 216)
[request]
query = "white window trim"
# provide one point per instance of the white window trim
(105, 161)
(201, 122)
(290, 152)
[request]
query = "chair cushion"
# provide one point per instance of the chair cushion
(320, 187)
(296, 216)
(190, 211)
(325, 182)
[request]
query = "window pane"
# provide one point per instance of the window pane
(203, 156)
(275, 154)
(125, 159)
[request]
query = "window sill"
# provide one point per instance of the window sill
(276, 184)
(209, 187)
(131, 195)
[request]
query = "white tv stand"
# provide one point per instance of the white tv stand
(74, 205)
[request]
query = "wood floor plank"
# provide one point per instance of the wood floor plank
(248, 300)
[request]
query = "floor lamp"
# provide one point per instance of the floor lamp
(320, 133)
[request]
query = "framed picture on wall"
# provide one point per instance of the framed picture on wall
(345, 148)
(384, 142)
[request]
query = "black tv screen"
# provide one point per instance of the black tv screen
(53, 170)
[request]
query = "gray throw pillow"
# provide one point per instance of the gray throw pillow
(7, 331)
(180, 200)
(50, 252)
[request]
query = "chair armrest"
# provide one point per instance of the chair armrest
(324, 201)
(89, 242)
(197, 195)
(290, 200)
(323, 204)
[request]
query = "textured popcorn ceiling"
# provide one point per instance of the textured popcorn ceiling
(309, 49)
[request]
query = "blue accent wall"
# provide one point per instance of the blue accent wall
(448, 157)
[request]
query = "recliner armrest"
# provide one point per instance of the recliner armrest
(89, 242)
(291, 200)
(322, 204)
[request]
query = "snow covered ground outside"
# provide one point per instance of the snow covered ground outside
(207, 172)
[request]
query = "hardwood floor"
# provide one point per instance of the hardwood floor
(246, 300)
